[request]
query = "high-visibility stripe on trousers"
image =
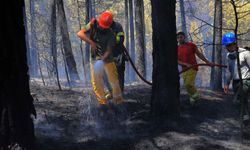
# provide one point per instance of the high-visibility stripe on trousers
(98, 84)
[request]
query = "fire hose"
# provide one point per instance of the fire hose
(184, 70)
(197, 65)
(133, 66)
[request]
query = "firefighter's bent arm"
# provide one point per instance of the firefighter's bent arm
(82, 35)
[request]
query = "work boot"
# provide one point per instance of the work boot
(196, 96)
(118, 100)
(103, 101)
(194, 99)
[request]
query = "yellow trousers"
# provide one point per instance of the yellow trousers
(98, 84)
(189, 81)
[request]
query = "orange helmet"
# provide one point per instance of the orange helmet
(106, 19)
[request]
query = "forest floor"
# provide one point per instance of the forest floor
(70, 120)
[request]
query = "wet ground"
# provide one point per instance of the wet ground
(71, 120)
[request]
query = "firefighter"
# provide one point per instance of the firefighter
(102, 41)
(119, 56)
(232, 74)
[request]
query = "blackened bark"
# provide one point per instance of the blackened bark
(79, 18)
(127, 37)
(27, 36)
(53, 42)
(70, 60)
(33, 70)
(16, 102)
(183, 17)
(165, 89)
(89, 15)
(140, 37)
(88, 18)
(216, 73)
(132, 37)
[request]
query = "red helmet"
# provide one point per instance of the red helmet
(106, 19)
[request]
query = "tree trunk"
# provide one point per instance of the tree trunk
(132, 38)
(27, 35)
(90, 13)
(16, 102)
(79, 18)
(127, 37)
(88, 18)
(165, 89)
(93, 13)
(183, 17)
(40, 69)
(66, 42)
(65, 67)
(216, 71)
(33, 47)
(140, 36)
(53, 42)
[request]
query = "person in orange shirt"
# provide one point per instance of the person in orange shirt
(187, 52)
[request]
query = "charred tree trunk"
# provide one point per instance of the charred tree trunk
(88, 18)
(183, 17)
(16, 102)
(140, 36)
(65, 67)
(79, 18)
(33, 47)
(93, 13)
(132, 37)
(66, 42)
(53, 42)
(27, 36)
(90, 13)
(216, 73)
(165, 89)
(127, 36)
(40, 68)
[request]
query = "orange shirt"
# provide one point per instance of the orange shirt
(186, 54)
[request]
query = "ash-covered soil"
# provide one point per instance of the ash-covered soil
(71, 120)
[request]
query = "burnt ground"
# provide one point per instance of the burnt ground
(70, 120)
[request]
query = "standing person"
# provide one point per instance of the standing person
(102, 41)
(186, 58)
(241, 94)
(119, 55)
